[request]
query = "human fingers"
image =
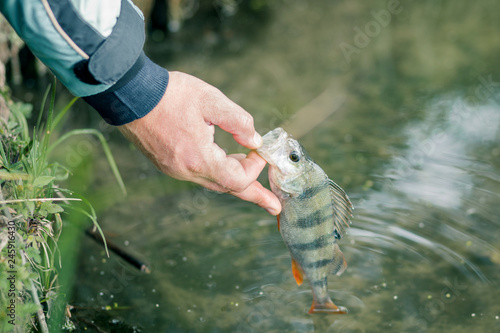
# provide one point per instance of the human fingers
(233, 119)
(237, 157)
(214, 169)
(252, 166)
(261, 196)
(237, 174)
(255, 193)
(234, 173)
(236, 185)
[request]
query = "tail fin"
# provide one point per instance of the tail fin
(327, 307)
(339, 264)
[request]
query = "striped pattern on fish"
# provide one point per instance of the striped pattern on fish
(314, 213)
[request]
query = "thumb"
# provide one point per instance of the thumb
(233, 119)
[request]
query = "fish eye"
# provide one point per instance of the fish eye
(294, 156)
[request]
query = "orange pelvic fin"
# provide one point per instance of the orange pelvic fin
(278, 217)
(327, 307)
(297, 272)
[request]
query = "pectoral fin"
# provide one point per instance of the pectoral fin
(297, 272)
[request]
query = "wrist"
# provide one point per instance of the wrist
(134, 96)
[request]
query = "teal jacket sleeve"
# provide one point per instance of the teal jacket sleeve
(94, 48)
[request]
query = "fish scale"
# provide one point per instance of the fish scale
(314, 213)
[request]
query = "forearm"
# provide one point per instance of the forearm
(95, 49)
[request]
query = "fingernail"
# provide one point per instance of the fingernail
(272, 211)
(257, 139)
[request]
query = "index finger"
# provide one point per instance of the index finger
(233, 119)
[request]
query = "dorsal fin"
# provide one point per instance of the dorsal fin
(342, 207)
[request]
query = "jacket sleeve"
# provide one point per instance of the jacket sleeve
(94, 48)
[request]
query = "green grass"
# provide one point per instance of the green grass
(32, 201)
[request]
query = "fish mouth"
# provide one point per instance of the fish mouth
(273, 141)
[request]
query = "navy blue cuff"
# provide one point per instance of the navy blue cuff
(134, 96)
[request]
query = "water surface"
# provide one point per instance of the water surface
(414, 143)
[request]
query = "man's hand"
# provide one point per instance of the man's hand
(178, 136)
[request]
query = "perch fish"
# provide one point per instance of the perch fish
(314, 213)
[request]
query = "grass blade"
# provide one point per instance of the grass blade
(105, 147)
(40, 113)
(92, 216)
(48, 127)
(63, 112)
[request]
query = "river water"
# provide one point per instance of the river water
(413, 141)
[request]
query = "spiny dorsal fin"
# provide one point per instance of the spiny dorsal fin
(342, 207)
